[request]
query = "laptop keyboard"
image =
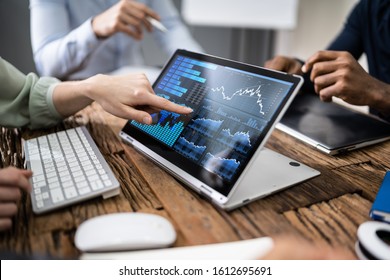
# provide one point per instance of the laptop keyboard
(67, 168)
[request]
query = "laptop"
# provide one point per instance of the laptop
(330, 127)
(218, 149)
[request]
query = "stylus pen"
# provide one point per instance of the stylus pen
(157, 24)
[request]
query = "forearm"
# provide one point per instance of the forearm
(58, 48)
(71, 97)
(381, 99)
(63, 56)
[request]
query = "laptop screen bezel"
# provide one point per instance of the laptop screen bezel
(185, 165)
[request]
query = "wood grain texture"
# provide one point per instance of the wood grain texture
(327, 208)
(335, 221)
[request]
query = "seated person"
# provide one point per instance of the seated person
(77, 39)
(336, 71)
(42, 102)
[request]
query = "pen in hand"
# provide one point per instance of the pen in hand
(157, 24)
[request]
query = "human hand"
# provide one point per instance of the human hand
(129, 97)
(126, 16)
(294, 248)
(12, 180)
(337, 73)
(285, 64)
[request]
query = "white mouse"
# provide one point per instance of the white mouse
(124, 231)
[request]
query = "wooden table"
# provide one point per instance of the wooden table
(329, 207)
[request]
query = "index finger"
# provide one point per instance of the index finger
(276, 63)
(318, 57)
(164, 104)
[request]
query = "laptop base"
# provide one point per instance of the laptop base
(271, 172)
(330, 127)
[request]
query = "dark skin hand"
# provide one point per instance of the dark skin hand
(284, 64)
(337, 73)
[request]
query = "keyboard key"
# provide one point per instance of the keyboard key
(79, 178)
(51, 174)
(70, 192)
(93, 178)
(38, 178)
(67, 184)
(107, 183)
(36, 165)
(56, 195)
(52, 181)
(65, 178)
(39, 184)
(82, 184)
(77, 174)
(40, 204)
(96, 185)
(90, 172)
(45, 195)
(84, 190)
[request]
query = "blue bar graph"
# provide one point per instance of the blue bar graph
(201, 63)
(167, 130)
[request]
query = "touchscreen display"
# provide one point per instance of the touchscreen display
(232, 111)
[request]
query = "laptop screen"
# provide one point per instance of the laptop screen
(234, 107)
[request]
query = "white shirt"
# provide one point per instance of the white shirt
(65, 46)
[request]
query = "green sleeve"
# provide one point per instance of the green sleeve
(26, 100)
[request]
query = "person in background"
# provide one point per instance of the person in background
(29, 101)
(336, 71)
(74, 39)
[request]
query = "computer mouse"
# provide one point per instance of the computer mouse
(124, 231)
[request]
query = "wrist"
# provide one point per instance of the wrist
(70, 97)
(86, 89)
(381, 100)
(95, 28)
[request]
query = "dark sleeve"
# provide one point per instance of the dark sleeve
(350, 37)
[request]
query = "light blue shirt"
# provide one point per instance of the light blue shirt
(65, 46)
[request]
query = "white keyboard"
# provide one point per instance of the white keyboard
(67, 168)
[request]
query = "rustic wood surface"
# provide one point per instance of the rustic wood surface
(329, 207)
